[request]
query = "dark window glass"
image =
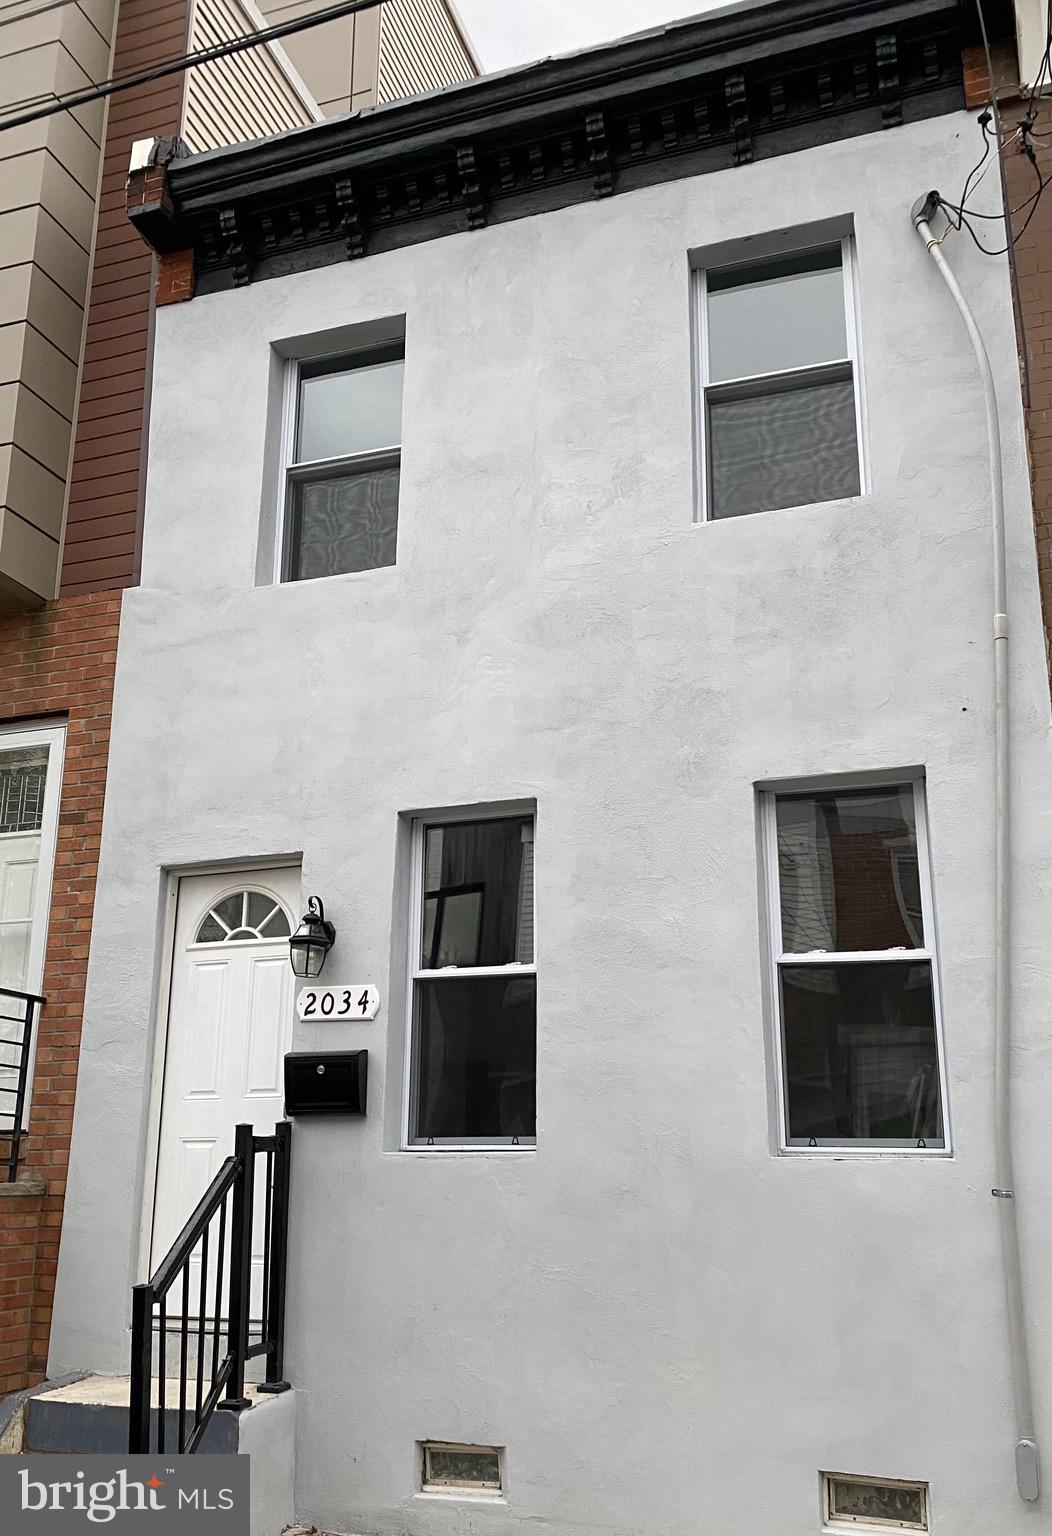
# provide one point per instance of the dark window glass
(23, 776)
(786, 447)
(475, 1058)
(860, 1052)
(347, 521)
(478, 897)
(848, 871)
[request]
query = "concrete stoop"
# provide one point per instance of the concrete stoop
(91, 1415)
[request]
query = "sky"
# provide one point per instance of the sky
(509, 32)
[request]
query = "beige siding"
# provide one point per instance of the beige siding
(421, 49)
(49, 174)
(338, 60)
(246, 96)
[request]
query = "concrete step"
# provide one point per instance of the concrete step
(92, 1415)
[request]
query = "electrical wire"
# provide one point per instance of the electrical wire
(186, 61)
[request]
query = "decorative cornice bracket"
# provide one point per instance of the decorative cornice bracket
(471, 186)
(351, 226)
(599, 154)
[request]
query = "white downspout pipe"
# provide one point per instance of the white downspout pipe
(1027, 1462)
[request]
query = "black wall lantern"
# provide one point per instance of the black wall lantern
(312, 940)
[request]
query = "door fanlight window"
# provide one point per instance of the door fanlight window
(245, 917)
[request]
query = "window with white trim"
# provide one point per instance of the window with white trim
(882, 1504)
(473, 985)
(343, 435)
(778, 382)
(854, 975)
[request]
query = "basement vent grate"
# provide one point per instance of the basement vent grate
(462, 1469)
(886, 1505)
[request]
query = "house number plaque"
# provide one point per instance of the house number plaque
(357, 1001)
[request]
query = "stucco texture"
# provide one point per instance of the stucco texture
(670, 1327)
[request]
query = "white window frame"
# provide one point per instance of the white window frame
(777, 957)
(705, 388)
(839, 1522)
(438, 1490)
(416, 973)
(17, 738)
(291, 469)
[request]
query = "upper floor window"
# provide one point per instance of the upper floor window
(776, 350)
(855, 982)
(343, 452)
(473, 1005)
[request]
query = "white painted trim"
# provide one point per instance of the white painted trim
(420, 824)
(289, 411)
(239, 872)
(15, 738)
(702, 385)
(777, 956)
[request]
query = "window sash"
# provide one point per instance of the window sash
(420, 973)
(780, 958)
(750, 386)
(293, 470)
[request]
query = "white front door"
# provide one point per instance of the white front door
(229, 1026)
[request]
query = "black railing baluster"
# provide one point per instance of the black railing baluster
(224, 1384)
(217, 1314)
(28, 1005)
(202, 1314)
(162, 1322)
(183, 1355)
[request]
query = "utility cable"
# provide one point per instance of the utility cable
(188, 61)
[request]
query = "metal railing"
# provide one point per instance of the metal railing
(203, 1294)
(18, 1017)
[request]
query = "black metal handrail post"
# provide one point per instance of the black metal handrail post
(141, 1371)
(274, 1322)
(239, 1306)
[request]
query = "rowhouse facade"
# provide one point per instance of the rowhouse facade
(587, 593)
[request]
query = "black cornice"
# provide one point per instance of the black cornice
(723, 89)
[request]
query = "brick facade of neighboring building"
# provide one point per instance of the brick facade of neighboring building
(57, 663)
(1034, 266)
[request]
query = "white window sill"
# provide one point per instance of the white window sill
(456, 1151)
(459, 1496)
(864, 1154)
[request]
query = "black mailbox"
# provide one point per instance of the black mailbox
(326, 1082)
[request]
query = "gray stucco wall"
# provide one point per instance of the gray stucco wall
(668, 1327)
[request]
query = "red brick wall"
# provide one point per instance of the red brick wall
(1034, 265)
(57, 661)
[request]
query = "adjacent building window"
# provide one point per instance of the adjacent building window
(854, 976)
(467, 1470)
(473, 1024)
(780, 421)
(343, 456)
(885, 1504)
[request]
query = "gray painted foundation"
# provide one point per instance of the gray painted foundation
(668, 1326)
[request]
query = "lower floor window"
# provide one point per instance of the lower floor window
(854, 973)
(473, 1019)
